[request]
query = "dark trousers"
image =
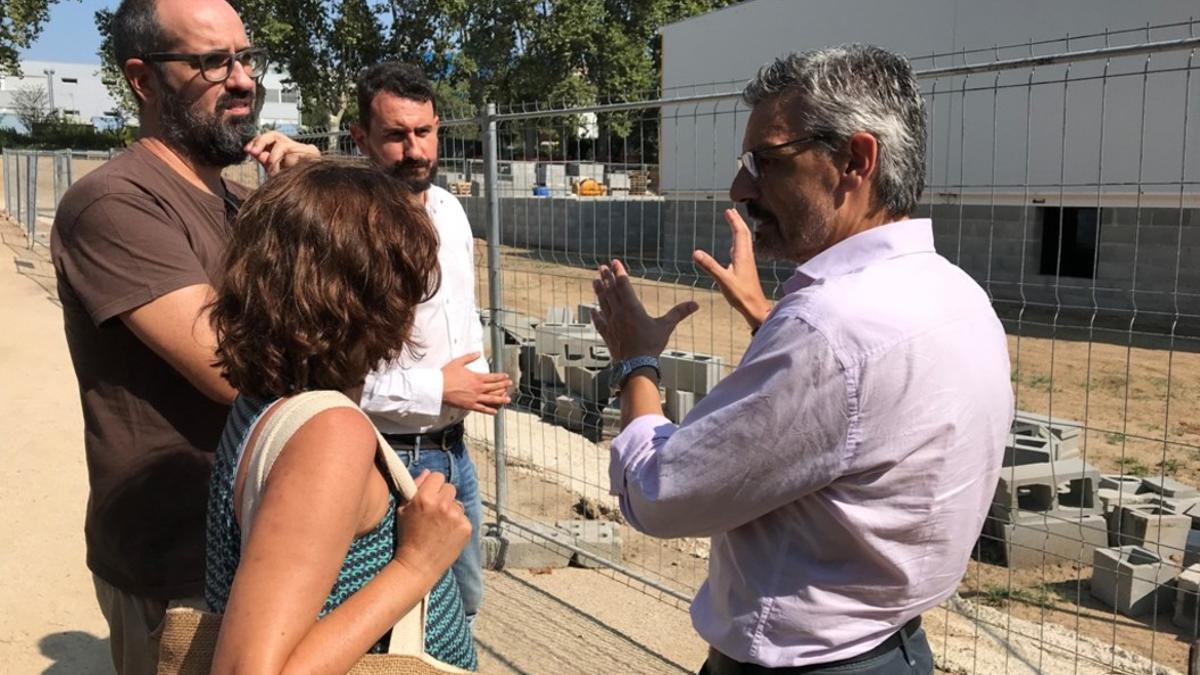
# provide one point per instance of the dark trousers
(910, 655)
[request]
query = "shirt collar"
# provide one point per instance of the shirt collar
(864, 249)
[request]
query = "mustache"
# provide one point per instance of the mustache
(407, 165)
(757, 212)
(229, 100)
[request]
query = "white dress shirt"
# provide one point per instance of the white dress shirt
(405, 396)
(845, 467)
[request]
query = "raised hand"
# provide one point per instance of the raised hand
(739, 281)
(276, 152)
(623, 322)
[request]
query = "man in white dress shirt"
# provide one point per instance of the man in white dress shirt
(845, 467)
(420, 400)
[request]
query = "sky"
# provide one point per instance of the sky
(70, 35)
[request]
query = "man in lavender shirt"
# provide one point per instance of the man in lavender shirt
(844, 468)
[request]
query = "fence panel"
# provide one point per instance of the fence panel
(1062, 176)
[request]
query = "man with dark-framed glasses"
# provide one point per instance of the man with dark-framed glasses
(137, 245)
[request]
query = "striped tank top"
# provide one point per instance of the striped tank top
(447, 637)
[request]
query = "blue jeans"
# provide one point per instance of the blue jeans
(455, 464)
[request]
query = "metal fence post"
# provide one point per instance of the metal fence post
(8, 178)
(488, 122)
(31, 211)
(18, 195)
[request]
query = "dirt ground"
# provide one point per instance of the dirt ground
(1139, 408)
(565, 621)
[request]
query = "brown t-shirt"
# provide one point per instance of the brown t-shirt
(125, 234)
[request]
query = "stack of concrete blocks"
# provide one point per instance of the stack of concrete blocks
(687, 378)
(553, 176)
(519, 180)
(578, 171)
(618, 183)
(542, 545)
(1133, 580)
(1187, 609)
(1045, 510)
(572, 373)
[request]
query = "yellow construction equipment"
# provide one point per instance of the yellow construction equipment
(589, 187)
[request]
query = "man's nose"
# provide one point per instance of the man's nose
(743, 188)
(239, 79)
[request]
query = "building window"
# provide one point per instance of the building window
(71, 80)
(1069, 238)
(291, 95)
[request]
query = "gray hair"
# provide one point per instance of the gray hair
(852, 88)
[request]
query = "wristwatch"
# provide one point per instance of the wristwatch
(621, 370)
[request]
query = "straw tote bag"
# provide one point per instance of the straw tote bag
(189, 637)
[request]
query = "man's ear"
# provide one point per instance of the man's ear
(139, 74)
(862, 161)
(359, 134)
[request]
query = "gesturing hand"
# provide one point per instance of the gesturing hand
(469, 390)
(739, 282)
(276, 152)
(622, 320)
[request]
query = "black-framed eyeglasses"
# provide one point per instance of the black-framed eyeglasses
(216, 67)
(749, 159)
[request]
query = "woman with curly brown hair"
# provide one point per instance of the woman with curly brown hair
(326, 266)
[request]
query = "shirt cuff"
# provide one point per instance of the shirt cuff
(633, 447)
(416, 391)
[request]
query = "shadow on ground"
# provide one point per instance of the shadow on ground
(75, 652)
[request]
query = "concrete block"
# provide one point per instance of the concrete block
(1042, 487)
(1022, 450)
(1191, 553)
(1053, 537)
(1120, 482)
(553, 338)
(679, 404)
(521, 327)
(590, 383)
(1067, 431)
(1156, 529)
(1132, 580)
(584, 313)
(610, 422)
(552, 175)
(1187, 609)
(589, 355)
(524, 550)
(569, 412)
(1110, 502)
(598, 537)
(557, 315)
(1169, 487)
(686, 371)
(550, 370)
(548, 404)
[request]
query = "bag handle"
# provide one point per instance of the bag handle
(408, 635)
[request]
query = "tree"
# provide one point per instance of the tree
(111, 73)
(21, 22)
(31, 105)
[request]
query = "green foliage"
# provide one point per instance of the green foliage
(1133, 467)
(565, 52)
(110, 73)
(59, 135)
(21, 23)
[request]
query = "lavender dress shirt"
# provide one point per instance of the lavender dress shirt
(844, 468)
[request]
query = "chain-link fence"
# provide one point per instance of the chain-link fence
(1063, 176)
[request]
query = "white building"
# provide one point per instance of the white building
(722, 50)
(77, 91)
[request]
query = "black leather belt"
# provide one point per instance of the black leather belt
(442, 439)
(719, 664)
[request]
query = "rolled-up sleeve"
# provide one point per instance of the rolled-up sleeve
(404, 395)
(771, 432)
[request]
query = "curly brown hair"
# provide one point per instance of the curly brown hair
(325, 268)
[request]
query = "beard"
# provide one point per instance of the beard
(206, 138)
(807, 234)
(417, 174)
